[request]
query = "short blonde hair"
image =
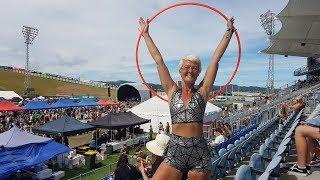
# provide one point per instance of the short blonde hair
(192, 58)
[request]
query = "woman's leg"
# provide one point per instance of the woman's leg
(301, 133)
(167, 172)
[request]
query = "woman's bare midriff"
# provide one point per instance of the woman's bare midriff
(188, 129)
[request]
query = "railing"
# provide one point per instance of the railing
(273, 105)
(101, 171)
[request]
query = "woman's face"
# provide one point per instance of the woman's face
(189, 72)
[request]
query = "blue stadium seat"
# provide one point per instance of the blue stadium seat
(244, 173)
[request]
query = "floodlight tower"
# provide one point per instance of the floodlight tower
(29, 34)
(268, 23)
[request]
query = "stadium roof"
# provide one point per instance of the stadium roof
(299, 35)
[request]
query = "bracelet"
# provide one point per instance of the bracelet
(231, 29)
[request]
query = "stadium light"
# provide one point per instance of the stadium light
(267, 22)
(29, 33)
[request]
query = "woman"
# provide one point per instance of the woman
(126, 171)
(187, 149)
(157, 148)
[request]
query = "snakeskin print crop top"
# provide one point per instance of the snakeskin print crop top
(193, 112)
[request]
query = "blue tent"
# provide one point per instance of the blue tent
(64, 103)
(36, 105)
(32, 152)
(88, 103)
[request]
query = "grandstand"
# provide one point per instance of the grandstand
(268, 151)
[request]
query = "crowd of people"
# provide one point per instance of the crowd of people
(28, 119)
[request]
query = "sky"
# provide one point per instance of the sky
(96, 39)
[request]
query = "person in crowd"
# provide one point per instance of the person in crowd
(157, 148)
(298, 104)
(282, 113)
(167, 129)
(160, 128)
(219, 137)
(187, 105)
(124, 149)
(126, 171)
(304, 136)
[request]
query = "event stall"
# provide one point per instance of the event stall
(87, 103)
(119, 120)
(9, 106)
(66, 127)
(20, 150)
(158, 111)
(105, 103)
(122, 120)
(64, 103)
(37, 105)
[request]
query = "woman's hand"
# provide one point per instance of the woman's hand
(143, 24)
(141, 167)
(230, 24)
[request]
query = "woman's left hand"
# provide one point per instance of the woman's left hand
(230, 23)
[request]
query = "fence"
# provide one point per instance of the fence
(101, 172)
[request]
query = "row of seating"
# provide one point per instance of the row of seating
(233, 137)
(266, 163)
(228, 158)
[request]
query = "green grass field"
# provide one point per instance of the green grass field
(12, 81)
(107, 166)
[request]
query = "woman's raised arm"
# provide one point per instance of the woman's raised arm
(166, 81)
(212, 70)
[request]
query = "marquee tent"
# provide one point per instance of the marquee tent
(9, 95)
(119, 120)
(103, 102)
(64, 103)
(158, 111)
(20, 150)
(64, 126)
(15, 137)
(87, 103)
(36, 105)
(9, 106)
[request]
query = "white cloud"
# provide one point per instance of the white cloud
(97, 38)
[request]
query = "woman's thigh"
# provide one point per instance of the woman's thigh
(309, 131)
(200, 176)
(167, 172)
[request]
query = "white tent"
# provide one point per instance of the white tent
(158, 111)
(9, 95)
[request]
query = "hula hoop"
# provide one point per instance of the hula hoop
(189, 4)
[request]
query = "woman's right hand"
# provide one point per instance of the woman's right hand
(143, 24)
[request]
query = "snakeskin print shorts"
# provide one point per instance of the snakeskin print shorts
(188, 154)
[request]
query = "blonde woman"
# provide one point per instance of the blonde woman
(187, 150)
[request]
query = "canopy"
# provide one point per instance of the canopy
(64, 103)
(20, 150)
(158, 111)
(15, 137)
(299, 34)
(9, 95)
(103, 102)
(87, 103)
(35, 105)
(9, 106)
(64, 126)
(119, 120)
